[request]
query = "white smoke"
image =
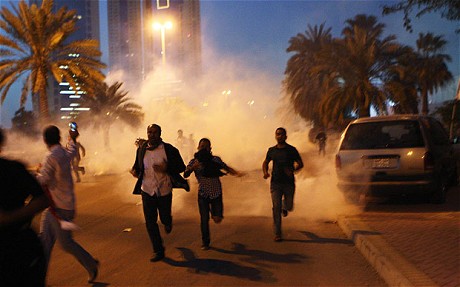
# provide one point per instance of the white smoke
(238, 108)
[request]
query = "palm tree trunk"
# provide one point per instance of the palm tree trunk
(364, 112)
(364, 109)
(424, 101)
(364, 105)
(43, 106)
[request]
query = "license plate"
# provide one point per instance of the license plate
(376, 162)
(381, 163)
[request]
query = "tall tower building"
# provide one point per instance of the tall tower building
(125, 40)
(180, 46)
(191, 38)
(137, 49)
(64, 102)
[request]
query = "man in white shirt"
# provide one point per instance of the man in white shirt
(157, 167)
(56, 176)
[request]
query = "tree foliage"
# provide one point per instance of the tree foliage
(449, 9)
(304, 86)
(359, 61)
(330, 80)
(35, 46)
(431, 69)
(108, 106)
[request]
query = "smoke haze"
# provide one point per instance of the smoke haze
(238, 108)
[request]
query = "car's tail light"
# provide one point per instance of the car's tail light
(338, 162)
(428, 161)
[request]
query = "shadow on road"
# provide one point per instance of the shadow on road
(316, 239)
(100, 284)
(221, 267)
(261, 257)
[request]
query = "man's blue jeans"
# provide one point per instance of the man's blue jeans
(282, 198)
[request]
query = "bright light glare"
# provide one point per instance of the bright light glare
(159, 26)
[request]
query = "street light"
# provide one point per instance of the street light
(162, 27)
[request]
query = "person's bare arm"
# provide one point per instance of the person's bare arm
(298, 164)
(191, 167)
(83, 150)
(234, 172)
(265, 169)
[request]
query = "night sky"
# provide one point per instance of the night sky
(258, 32)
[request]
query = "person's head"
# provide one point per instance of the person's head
(51, 135)
(180, 133)
(281, 135)
(154, 134)
(204, 143)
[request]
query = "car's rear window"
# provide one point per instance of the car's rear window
(385, 134)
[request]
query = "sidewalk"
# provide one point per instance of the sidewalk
(416, 245)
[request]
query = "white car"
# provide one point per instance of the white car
(395, 155)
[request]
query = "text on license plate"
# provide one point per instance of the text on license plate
(381, 162)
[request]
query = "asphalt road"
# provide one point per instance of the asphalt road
(315, 251)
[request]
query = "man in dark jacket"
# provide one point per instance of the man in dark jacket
(157, 167)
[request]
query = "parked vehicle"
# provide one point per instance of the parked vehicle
(396, 155)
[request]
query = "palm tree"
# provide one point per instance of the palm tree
(109, 105)
(35, 46)
(360, 61)
(304, 88)
(401, 83)
(431, 68)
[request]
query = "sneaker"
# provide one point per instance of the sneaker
(217, 219)
(278, 238)
(168, 228)
(157, 257)
(93, 275)
(204, 247)
(285, 212)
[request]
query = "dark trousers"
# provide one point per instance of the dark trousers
(215, 207)
(282, 198)
(154, 205)
(22, 260)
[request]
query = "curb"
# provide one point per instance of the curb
(391, 266)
